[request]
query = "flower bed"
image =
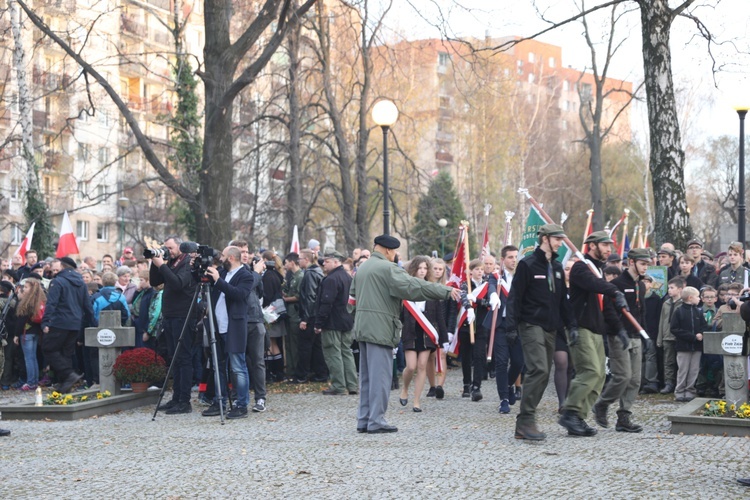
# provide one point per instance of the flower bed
(711, 417)
(55, 398)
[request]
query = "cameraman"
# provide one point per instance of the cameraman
(179, 288)
(230, 296)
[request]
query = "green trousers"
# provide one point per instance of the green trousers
(538, 347)
(588, 359)
(337, 351)
(291, 346)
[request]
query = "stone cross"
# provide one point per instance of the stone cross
(110, 338)
(730, 343)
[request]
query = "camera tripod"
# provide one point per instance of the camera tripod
(202, 293)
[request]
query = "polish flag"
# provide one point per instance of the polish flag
(458, 271)
(67, 243)
(295, 241)
(26, 243)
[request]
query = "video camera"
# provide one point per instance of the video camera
(205, 256)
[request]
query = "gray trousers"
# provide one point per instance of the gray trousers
(375, 377)
(688, 363)
(538, 347)
(625, 365)
(650, 366)
(254, 357)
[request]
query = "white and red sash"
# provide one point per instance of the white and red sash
(428, 328)
(479, 292)
(504, 286)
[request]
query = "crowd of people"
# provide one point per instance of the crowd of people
(365, 321)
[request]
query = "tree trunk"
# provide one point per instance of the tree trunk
(363, 195)
(666, 159)
(595, 166)
(215, 196)
(294, 174)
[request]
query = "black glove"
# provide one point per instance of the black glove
(572, 336)
(647, 345)
(620, 301)
(623, 336)
(511, 336)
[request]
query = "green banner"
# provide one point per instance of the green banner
(529, 237)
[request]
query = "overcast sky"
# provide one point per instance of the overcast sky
(711, 108)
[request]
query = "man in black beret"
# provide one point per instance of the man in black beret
(376, 294)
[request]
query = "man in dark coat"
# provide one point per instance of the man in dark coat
(334, 324)
(230, 296)
(311, 364)
(67, 312)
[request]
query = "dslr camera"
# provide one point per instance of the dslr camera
(150, 253)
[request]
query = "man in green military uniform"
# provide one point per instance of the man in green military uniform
(376, 293)
(591, 299)
(537, 307)
(290, 291)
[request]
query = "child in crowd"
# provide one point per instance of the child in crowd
(687, 326)
(665, 339)
(710, 380)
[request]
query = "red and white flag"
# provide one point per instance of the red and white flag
(295, 241)
(67, 243)
(458, 270)
(486, 237)
(26, 243)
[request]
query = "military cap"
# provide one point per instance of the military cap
(551, 230)
(448, 257)
(666, 251)
(614, 257)
(639, 254)
(38, 265)
(387, 241)
(695, 241)
(598, 237)
(333, 254)
(706, 253)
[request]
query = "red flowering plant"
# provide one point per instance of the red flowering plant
(139, 365)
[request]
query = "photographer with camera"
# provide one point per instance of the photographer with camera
(179, 287)
(230, 296)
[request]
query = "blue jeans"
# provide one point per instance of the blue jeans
(28, 344)
(240, 378)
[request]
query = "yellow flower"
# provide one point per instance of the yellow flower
(55, 394)
(84, 398)
(99, 395)
(107, 394)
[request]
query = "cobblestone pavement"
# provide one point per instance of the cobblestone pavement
(306, 444)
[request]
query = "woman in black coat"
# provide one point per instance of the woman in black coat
(272, 284)
(417, 343)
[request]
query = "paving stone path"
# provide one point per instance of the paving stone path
(306, 445)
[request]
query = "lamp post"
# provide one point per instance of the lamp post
(442, 223)
(741, 111)
(385, 114)
(123, 202)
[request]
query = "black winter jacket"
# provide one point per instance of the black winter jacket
(308, 290)
(585, 286)
(254, 310)
(635, 294)
(179, 286)
(688, 320)
(531, 300)
(331, 302)
(68, 303)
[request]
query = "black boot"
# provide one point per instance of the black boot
(476, 394)
(625, 425)
(467, 391)
(574, 424)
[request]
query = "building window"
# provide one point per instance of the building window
(103, 156)
(551, 62)
(565, 105)
(443, 59)
(101, 191)
(83, 151)
(531, 77)
(16, 189)
(564, 125)
(82, 230)
(532, 58)
(102, 232)
(566, 86)
(83, 190)
(445, 102)
(16, 235)
(585, 91)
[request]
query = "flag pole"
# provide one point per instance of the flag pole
(624, 233)
(465, 223)
(578, 253)
(508, 218)
(486, 234)
(590, 214)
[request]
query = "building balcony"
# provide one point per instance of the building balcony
(58, 162)
(131, 25)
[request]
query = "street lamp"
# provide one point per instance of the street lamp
(741, 111)
(123, 202)
(443, 224)
(385, 114)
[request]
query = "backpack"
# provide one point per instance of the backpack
(114, 304)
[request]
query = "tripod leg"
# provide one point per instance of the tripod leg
(176, 352)
(214, 355)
